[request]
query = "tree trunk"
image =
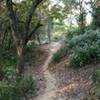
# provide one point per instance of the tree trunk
(18, 38)
(20, 61)
(38, 38)
(49, 30)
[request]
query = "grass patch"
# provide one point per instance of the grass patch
(59, 54)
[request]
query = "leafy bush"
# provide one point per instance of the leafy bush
(96, 76)
(78, 58)
(72, 33)
(12, 88)
(85, 48)
(7, 62)
(59, 54)
(88, 37)
(95, 90)
(17, 90)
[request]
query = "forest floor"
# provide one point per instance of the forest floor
(57, 82)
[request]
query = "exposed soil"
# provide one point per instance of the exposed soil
(73, 84)
(55, 82)
(51, 87)
(35, 69)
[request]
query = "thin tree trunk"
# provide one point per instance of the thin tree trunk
(49, 30)
(20, 62)
(38, 38)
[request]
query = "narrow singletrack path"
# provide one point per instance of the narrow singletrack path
(51, 87)
(63, 83)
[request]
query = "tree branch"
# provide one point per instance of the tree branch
(13, 20)
(12, 15)
(29, 16)
(33, 32)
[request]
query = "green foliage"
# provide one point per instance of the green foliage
(95, 90)
(85, 48)
(96, 76)
(59, 54)
(78, 58)
(71, 33)
(96, 18)
(17, 90)
(81, 19)
(58, 31)
(7, 62)
(12, 88)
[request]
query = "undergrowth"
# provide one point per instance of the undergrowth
(95, 90)
(59, 54)
(12, 88)
(85, 48)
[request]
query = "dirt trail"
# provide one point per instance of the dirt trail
(63, 83)
(51, 87)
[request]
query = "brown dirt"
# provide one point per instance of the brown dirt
(73, 84)
(55, 82)
(34, 69)
(51, 87)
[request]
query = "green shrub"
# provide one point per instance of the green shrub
(96, 76)
(72, 33)
(95, 90)
(59, 54)
(78, 58)
(7, 63)
(10, 87)
(85, 48)
(18, 90)
(88, 39)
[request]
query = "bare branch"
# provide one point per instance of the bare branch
(13, 20)
(12, 15)
(29, 15)
(33, 32)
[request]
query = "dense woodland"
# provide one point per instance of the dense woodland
(49, 49)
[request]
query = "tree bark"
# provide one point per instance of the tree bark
(50, 27)
(19, 39)
(20, 61)
(38, 38)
